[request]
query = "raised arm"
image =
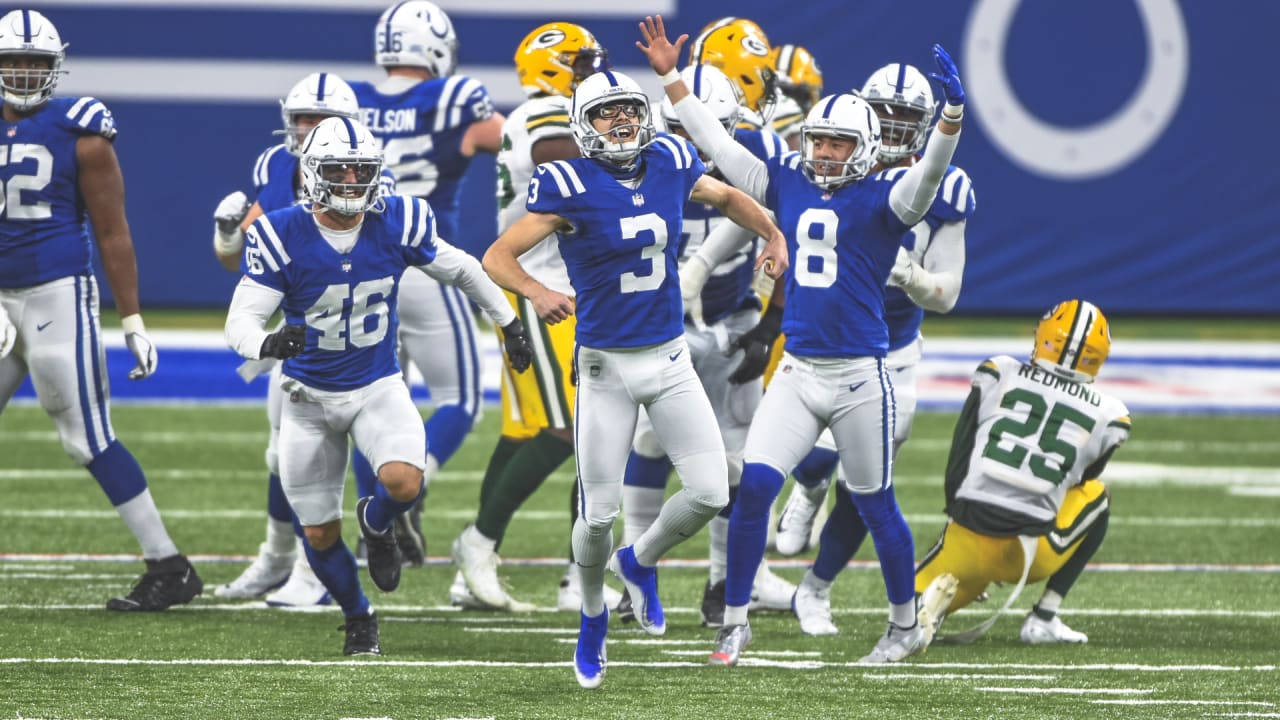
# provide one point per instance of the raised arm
(911, 197)
(746, 171)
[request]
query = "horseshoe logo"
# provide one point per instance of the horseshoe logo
(1075, 153)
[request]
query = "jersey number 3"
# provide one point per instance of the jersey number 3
(654, 253)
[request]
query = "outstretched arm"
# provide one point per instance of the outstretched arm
(911, 197)
(747, 172)
(455, 267)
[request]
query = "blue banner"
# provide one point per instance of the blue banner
(1111, 143)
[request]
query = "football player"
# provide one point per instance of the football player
(1024, 498)
(281, 570)
(799, 87)
(843, 228)
(430, 123)
(60, 168)
(926, 276)
(334, 267)
(739, 48)
(537, 407)
(720, 325)
(618, 213)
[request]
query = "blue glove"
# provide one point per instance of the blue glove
(949, 78)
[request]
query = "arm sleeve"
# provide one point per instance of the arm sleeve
(935, 286)
(455, 267)
(747, 172)
(251, 306)
(911, 196)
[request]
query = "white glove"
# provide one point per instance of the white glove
(8, 334)
(144, 351)
(763, 285)
(228, 239)
(903, 269)
(693, 277)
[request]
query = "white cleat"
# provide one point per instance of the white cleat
(796, 523)
(460, 595)
(303, 589)
(1036, 631)
(770, 592)
(898, 644)
(935, 601)
(569, 596)
(478, 565)
(267, 572)
(731, 641)
(813, 608)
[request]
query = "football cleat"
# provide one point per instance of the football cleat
(384, 552)
(267, 572)
(795, 524)
(934, 602)
(169, 581)
(303, 588)
(642, 585)
(408, 530)
(1038, 631)
(770, 592)
(813, 608)
(712, 610)
(478, 564)
(730, 642)
(898, 644)
(591, 656)
(362, 635)
(626, 611)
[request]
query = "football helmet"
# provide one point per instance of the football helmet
(554, 58)
(799, 76)
(740, 49)
(595, 94)
(342, 166)
(416, 34)
(902, 98)
(844, 116)
(1072, 341)
(27, 33)
(316, 94)
(716, 91)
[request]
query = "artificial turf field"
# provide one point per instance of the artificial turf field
(1182, 607)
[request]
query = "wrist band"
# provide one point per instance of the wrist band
(669, 77)
(957, 117)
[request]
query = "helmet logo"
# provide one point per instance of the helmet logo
(441, 32)
(548, 39)
(752, 44)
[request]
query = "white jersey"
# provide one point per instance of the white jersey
(1032, 436)
(536, 119)
(787, 117)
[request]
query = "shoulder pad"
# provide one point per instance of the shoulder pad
(89, 116)
(564, 177)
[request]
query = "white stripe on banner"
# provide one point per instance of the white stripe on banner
(523, 8)
(183, 80)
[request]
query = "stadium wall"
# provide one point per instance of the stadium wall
(1111, 143)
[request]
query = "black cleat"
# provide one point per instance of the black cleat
(168, 581)
(626, 613)
(409, 536)
(384, 553)
(362, 635)
(713, 605)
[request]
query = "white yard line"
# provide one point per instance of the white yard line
(958, 676)
(1065, 691)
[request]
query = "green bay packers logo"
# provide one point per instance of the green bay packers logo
(548, 39)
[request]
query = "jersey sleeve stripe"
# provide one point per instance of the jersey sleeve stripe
(670, 145)
(989, 368)
(446, 102)
(791, 160)
(460, 101)
(572, 175)
(550, 120)
(253, 237)
(74, 112)
(407, 225)
(423, 222)
(92, 112)
(1123, 423)
(274, 241)
(558, 176)
(773, 145)
(960, 199)
(950, 184)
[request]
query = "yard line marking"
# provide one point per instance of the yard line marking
(65, 576)
(958, 676)
(1186, 702)
(197, 474)
(754, 653)
(1255, 491)
(641, 641)
(1066, 691)
(530, 631)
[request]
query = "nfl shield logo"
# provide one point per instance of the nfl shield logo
(637, 200)
(346, 265)
(12, 131)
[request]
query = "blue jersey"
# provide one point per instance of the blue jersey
(278, 183)
(953, 203)
(621, 252)
(728, 289)
(421, 131)
(842, 244)
(43, 235)
(347, 301)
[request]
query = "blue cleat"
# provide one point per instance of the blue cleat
(589, 659)
(642, 585)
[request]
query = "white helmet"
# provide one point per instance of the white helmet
(710, 85)
(27, 32)
(316, 94)
(416, 34)
(902, 98)
(604, 89)
(842, 116)
(333, 147)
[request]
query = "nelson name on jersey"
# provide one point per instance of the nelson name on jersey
(389, 120)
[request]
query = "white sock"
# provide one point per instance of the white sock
(735, 614)
(472, 536)
(433, 467)
(681, 517)
(591, 548)
(143, 519)
(718, 528)
(280, 537)
(1050, 601)
(903, 614)
(815, 582)
(640, 508)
